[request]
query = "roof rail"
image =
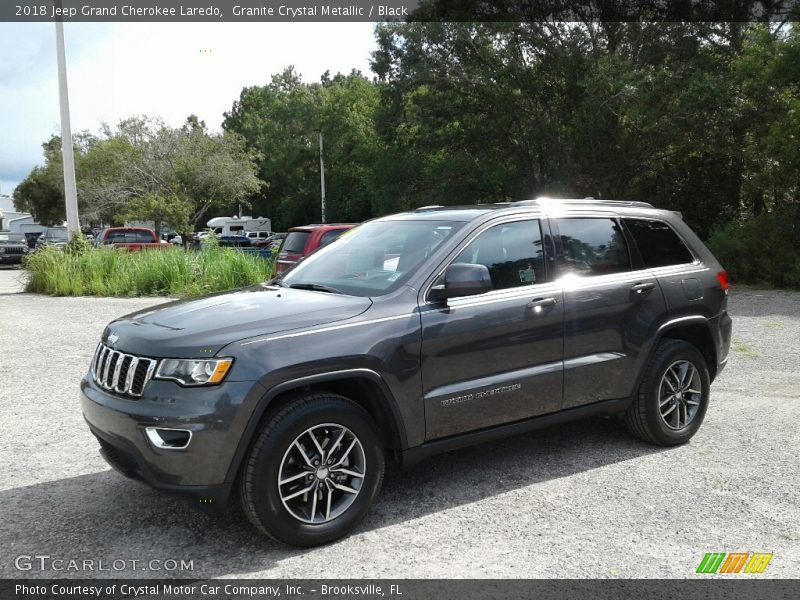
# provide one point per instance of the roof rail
(429, 207)
(542, 201)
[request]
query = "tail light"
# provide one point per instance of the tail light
(724, 284)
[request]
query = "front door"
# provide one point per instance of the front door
(495, 357)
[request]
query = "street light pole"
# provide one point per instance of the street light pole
(322, 175)
(70, 187)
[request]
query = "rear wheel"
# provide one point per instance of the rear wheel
(314, 470)
(673, 397)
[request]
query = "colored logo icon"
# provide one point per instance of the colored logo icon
(734, 562)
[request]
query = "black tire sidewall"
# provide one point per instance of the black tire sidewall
(265, 466)
(664, 434)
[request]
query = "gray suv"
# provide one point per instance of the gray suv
(414, 334)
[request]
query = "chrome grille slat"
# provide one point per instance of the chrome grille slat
(106, 365)
(117, 369)
(110, 365)
(109, 373)
(131, 373)
(101, 361)
(96, 357)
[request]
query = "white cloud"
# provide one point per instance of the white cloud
(160, 69)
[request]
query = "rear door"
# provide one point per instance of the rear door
(496, 357)
(609, 308)
(667, 256)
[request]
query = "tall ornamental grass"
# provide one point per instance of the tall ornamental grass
(171, 271)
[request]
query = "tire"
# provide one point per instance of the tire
(284, 449)
(662, 393)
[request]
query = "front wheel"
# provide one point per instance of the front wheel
(673, 396)
(314, 470)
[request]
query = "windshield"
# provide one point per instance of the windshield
(375, 259)
(56, 235)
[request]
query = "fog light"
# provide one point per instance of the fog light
(168, 439)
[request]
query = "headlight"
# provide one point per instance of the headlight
(194, 372)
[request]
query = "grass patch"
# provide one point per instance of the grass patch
(170, 272)
(745, 349)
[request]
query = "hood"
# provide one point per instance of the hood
(201, 327)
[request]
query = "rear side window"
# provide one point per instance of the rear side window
(295, 242)
(330, 236)
(591, 246)
(658, 244)
(512, 252)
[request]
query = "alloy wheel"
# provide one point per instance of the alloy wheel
(321, 473)
(679, 394)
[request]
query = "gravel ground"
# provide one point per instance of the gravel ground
(579, 500)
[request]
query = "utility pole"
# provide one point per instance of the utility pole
(322, 175)
(70, 188)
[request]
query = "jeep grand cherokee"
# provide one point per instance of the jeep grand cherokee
(418, 333)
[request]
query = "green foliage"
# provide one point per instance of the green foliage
(698, 117)
(77, 244)
(40, 194)
(211, 241)
(169, 210)
(173, 272)
(145, 170)
(282, 120)
(703, 118)
(761, 250)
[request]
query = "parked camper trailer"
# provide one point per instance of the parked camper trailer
(225, 226)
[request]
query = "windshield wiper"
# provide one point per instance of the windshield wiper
(317, 287)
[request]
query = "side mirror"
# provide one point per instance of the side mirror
(462, 279)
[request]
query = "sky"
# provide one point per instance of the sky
(169, 70)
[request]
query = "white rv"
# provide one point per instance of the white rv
(238, 225)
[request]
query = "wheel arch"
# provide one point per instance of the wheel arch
(696, 331)
(363, 386)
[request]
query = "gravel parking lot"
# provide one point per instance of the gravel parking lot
(579, 500)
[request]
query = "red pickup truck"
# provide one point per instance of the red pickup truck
(130, 238)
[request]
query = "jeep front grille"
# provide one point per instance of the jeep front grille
(121, 373)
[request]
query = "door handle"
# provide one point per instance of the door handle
(539, 304)
(642, 289)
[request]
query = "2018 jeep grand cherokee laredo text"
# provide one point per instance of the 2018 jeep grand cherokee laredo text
(418, 333)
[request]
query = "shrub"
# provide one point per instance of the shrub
(173, 272)
(763, 250)
(77, 244)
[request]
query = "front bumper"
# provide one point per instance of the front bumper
(14, 259)
(202, 472)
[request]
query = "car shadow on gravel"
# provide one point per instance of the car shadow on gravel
(106, 516)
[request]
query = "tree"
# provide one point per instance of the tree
(40, 194)
(146, 170)
(171, 211)
(282, 121)
(695, 117)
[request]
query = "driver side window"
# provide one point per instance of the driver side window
(513, 253)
